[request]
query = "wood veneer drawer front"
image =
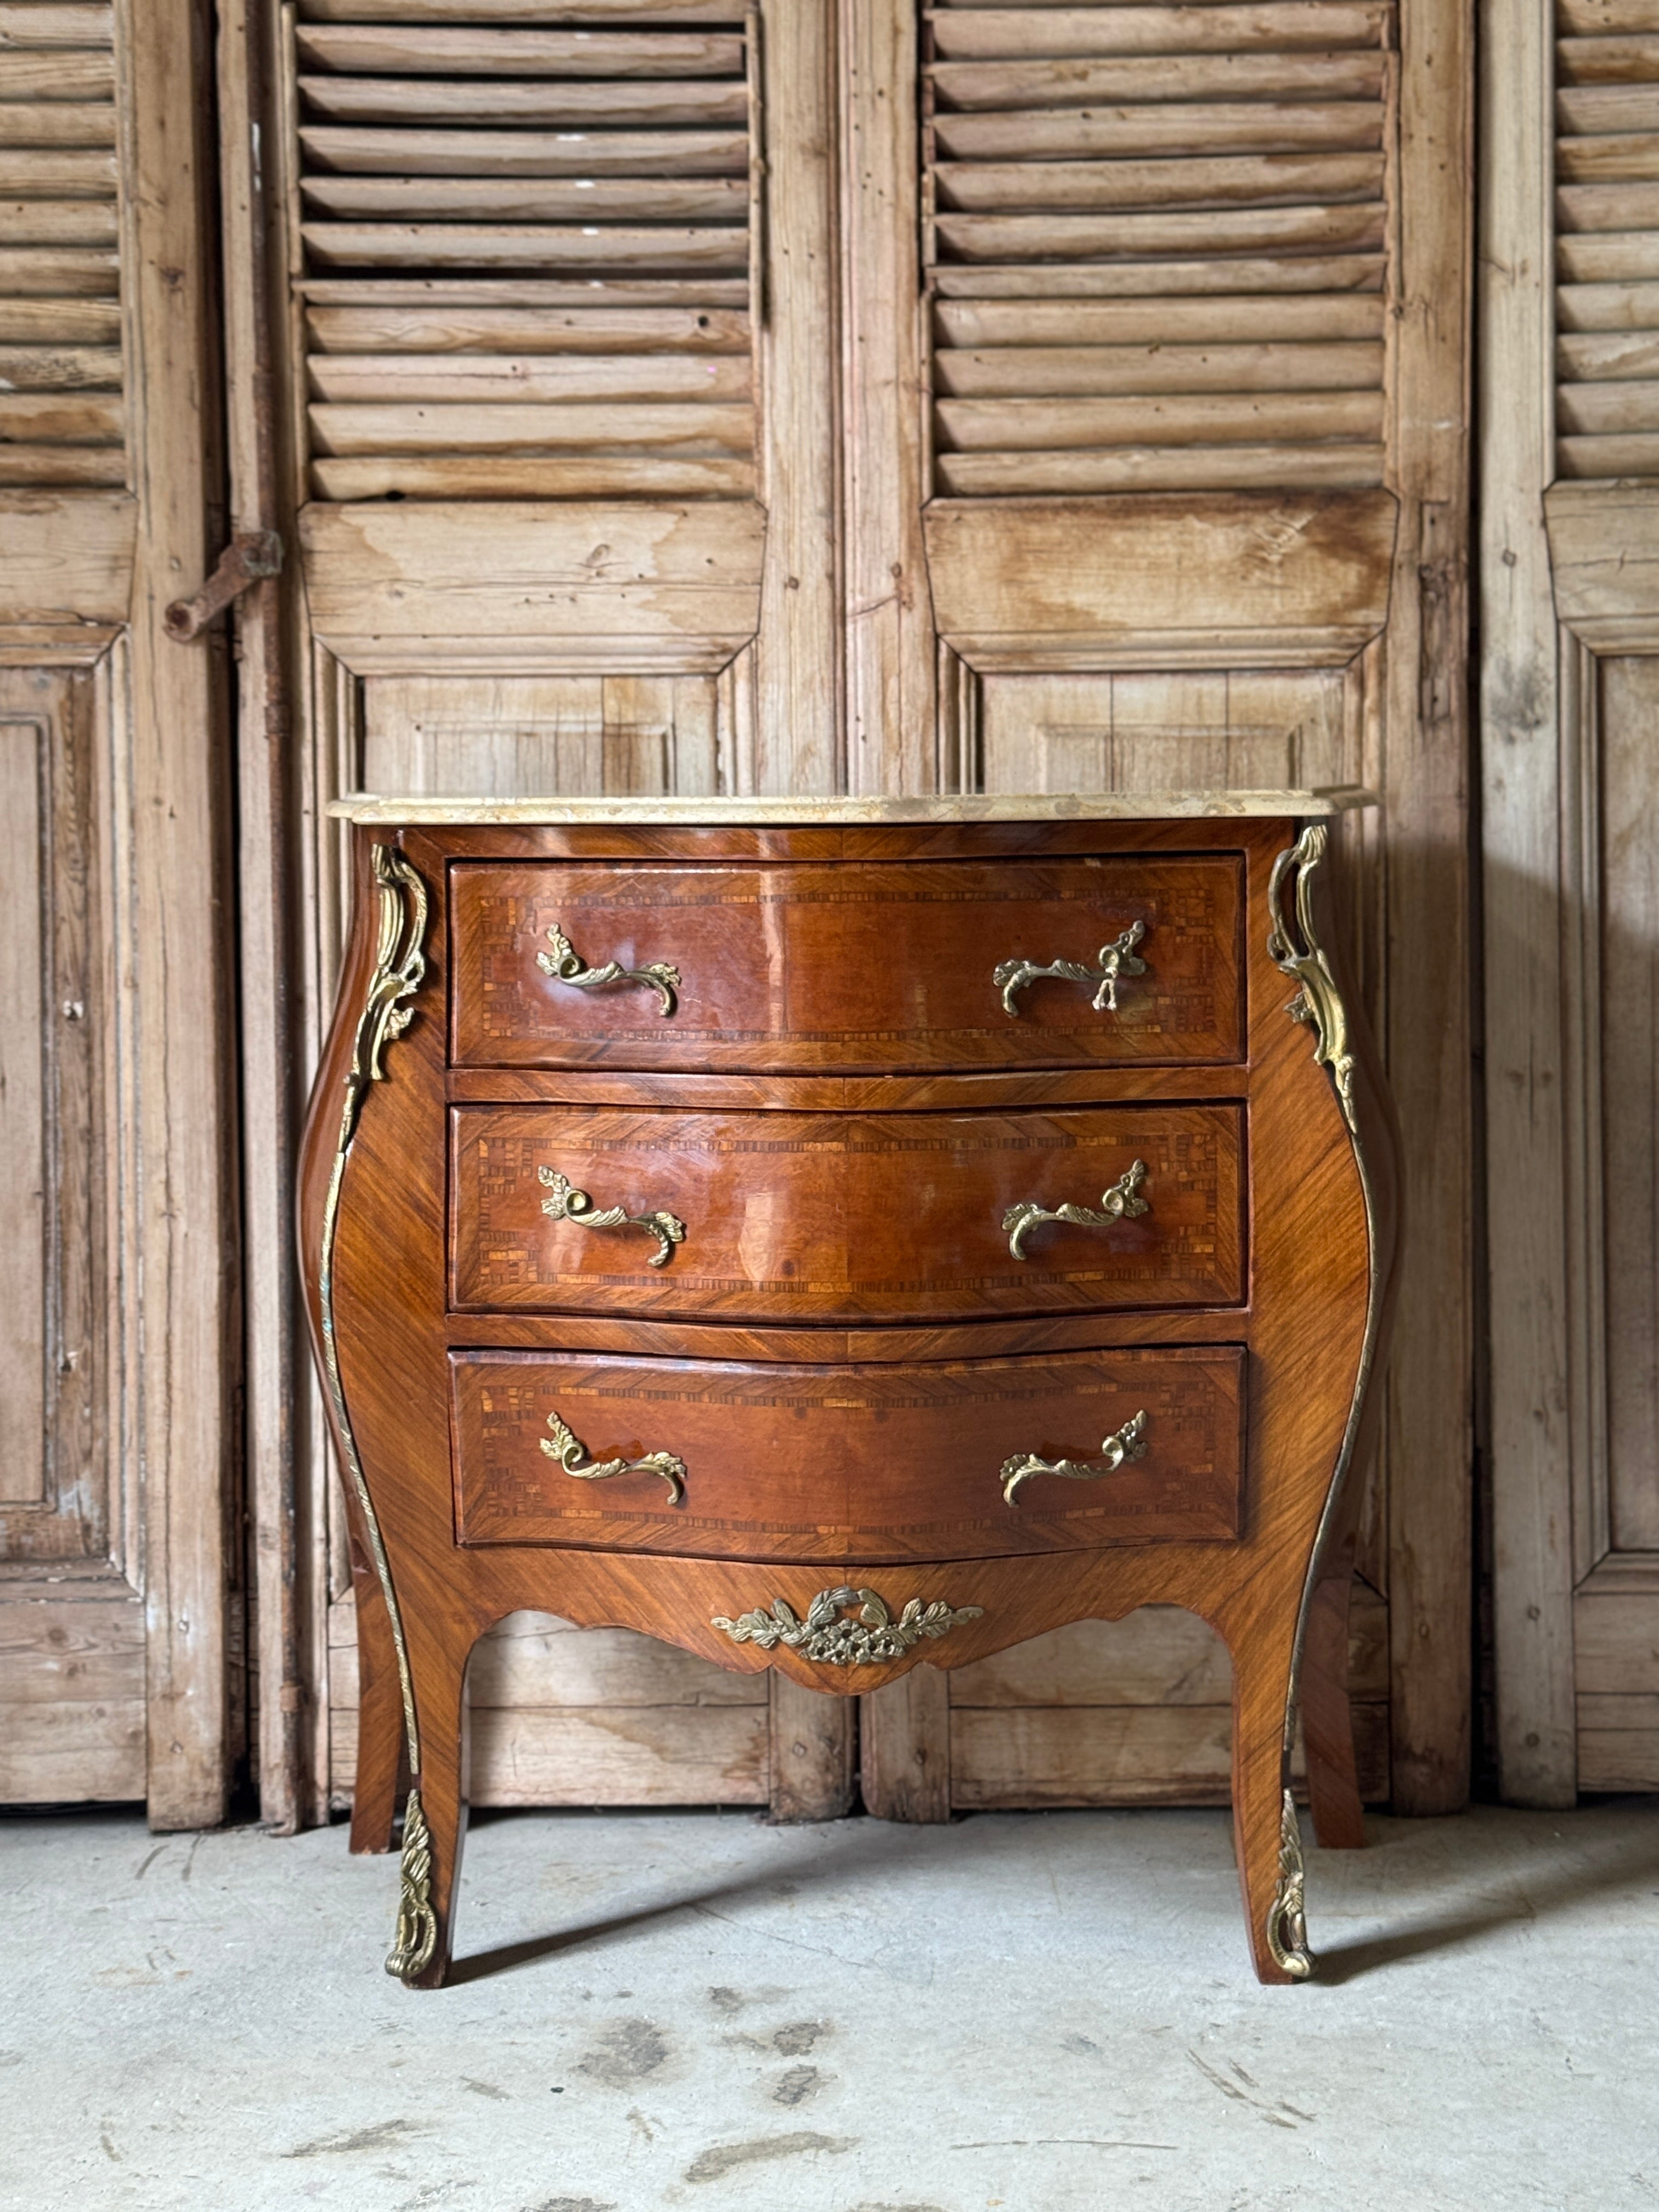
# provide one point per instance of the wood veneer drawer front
(854, 966)
(847, 1464)
(845, 1217)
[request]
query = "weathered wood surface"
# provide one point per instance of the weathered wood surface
(891, 656)
(72, 1719)
(27, 1030)
(57, 1500)
(508, 734)
(814, 1753)
(794, 739)
(72, 1657)
(1216, 580)
(1157, 1656)
(414, 588)
(1605, 216)
(1133, 1711)
(1122, 1755)
(1570, 907)
(71, 1689)
(1193, 730)
(626, 161)
(653, 1755)
(1034, 167)
(282, 1505)
(1425, 982)
(1618, 1744)
(58, 219)
(180, 895)
(905, 1748)
(1616, 1641)
(1603, 548)
(562, 1715)
(1620, 1511)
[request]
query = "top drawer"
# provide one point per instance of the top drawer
(856, 967)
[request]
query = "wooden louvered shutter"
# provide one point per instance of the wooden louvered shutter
(522, 423)
(1570, 629)
(119, 1590)
(1606, 242)
(60, 316)
(514, 338)
(526, 253)
(1159, 245)
(1192, 497)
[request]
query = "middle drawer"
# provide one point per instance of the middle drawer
(786, 1217)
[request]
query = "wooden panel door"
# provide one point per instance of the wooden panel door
(1569, 685)
(847, 395)
(1161, 480)
(119, 1629)
(507, 375)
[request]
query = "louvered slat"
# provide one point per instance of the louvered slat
(1606, 216)
(526, 249)
(1157, 244)
(61, 423)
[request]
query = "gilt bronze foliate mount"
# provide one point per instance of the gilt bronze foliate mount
(828, 1637)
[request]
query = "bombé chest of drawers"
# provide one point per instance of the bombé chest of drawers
(845, 1235)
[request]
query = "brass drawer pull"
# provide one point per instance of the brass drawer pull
(573, 1456)
(1120, 1203)
(1127, 1443)
(567, 1203)
(1112, 962)
(566, 965)
(871, 1640)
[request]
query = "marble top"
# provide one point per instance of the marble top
(460, 809)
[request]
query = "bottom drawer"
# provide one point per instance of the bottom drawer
(719, 1458)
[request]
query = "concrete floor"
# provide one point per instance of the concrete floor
(1049, 2013)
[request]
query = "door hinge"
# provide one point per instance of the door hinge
(251, 557)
